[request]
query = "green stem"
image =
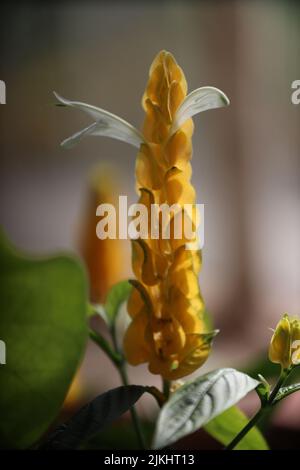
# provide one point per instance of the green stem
(253, 421)
(283, 376)
(157, 394)
(105, 346)
(166, 388)
(245, 430)
(124, 378)
(134, 415)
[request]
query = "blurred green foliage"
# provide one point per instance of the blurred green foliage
(43, 303)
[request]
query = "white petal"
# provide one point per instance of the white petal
(75, 138)
(201, 99)
(107, 124)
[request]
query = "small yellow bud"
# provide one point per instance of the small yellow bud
(284, 346)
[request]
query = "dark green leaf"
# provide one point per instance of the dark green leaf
(227, 425)
(93, 417)
(43, 324)
(198, 401)
(121, 435)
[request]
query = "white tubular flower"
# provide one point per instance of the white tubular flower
(199, 100)
(107, 124)
(110, 125)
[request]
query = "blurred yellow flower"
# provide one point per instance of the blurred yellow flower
(285, 339)
(104, 259)
(167, 330)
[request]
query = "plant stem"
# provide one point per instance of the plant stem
(166, 388)
(245, 430)
(124, 378)
(134, 415)
(283, 376)
(105, 346)
(157, 394)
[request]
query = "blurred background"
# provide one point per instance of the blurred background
(246, 162)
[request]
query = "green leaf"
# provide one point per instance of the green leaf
(228, 424)
(198, 402)
(43, 324)
(117, 295)
(90, 310)
(98, 309)
(286, 391)
(93, 417)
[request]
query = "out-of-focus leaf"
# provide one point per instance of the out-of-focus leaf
(43, 324)
(227, 425)
(198, 402)
(98, 309)
(90, 310)
(117, 295)
(261, 365)
(93, 417)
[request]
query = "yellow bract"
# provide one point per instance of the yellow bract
(167, 329)
(281, 346)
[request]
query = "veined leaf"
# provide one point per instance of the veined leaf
(286, 391)
(94, 416)
(197, 402)
(228, 424)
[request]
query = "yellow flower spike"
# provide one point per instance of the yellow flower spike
(175, 325)
(283, 342)
(167, 330)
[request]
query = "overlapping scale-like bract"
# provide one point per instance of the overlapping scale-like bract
(167, 330)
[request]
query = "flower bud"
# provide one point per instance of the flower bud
(284, 342)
